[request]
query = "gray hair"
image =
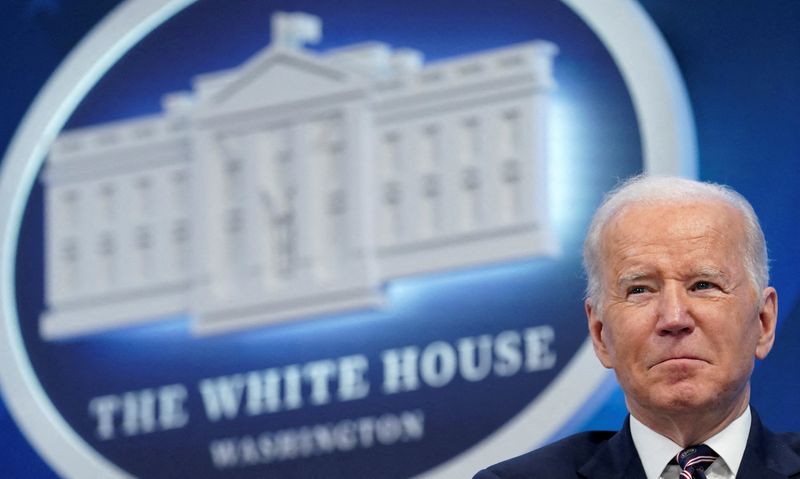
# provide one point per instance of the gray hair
(664, 189)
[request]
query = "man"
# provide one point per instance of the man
(679, 306)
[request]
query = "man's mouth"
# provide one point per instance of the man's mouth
(679, 359)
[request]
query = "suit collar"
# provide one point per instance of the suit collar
(617, 458)
(767, 455)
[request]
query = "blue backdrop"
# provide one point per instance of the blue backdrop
(741, 65)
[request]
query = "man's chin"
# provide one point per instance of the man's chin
(682, 397)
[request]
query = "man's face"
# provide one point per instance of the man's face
(680, 320)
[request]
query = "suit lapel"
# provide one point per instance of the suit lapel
(617, 458)
(767, 455)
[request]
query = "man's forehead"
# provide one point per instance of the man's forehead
(699, 233)
(703, 218)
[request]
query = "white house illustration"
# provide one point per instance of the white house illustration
(297, 185)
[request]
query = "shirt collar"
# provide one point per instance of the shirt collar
(655, 450)
(731, 441)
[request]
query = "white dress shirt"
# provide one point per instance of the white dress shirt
(656, 451)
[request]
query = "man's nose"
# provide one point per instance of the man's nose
(674, 315)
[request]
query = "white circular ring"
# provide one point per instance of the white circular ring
(668, 142)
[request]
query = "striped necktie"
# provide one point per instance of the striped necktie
(694, 460)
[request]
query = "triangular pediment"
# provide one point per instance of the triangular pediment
(275, 78)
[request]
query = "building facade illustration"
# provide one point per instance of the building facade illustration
(298, 184)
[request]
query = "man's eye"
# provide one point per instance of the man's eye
(637, 290)
(701, 285)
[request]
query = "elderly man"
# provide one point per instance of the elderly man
(679, 306)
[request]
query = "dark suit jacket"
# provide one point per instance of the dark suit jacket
(602, 455)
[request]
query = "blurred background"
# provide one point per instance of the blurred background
(740, 62)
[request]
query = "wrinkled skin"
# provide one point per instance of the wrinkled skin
(680, 320)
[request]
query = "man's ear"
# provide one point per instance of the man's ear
(767, 319)
(596, 333)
